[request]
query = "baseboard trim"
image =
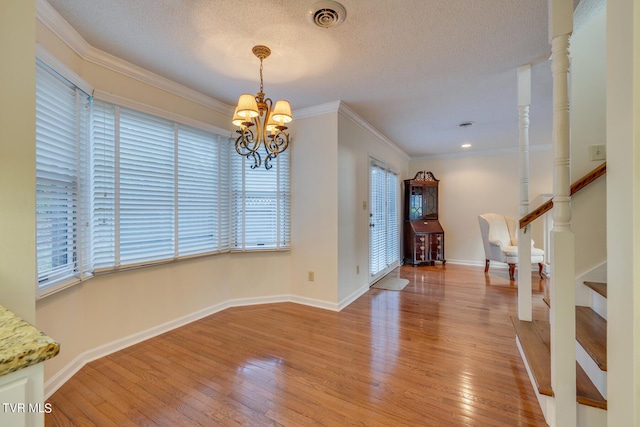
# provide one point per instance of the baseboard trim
(64, 374)
(351, 298)
(466, 262)
(493, 265)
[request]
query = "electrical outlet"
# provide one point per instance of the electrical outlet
(598, 152)
(310, 276)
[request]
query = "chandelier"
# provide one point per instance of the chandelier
(261, 122)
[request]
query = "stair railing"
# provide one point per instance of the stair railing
(575, 187)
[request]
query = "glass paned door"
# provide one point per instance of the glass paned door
(383, 221)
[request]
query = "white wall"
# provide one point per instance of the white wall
(356, 145)
(588, 127)
(623, 212)
(314, 206)
(473, 185)
(17, 158)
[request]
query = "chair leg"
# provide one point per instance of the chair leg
(540, 267)
(486, 266)
(512, 270)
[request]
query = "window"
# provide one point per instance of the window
(383, 232)
(62, 112)
(260, 204)
(160, 190)
(203, 192)
(118, 188)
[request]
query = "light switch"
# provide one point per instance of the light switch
(598, 152)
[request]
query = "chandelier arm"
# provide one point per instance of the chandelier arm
(242, 147)
(277, 143)
(267, 160)
(256, 160)
(247, 144)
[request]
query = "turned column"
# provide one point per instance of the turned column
(524, 234)
(562, 313)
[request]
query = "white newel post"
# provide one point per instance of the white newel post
(524, 234)
(562, 314)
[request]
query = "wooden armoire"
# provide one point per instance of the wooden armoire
(423, 234)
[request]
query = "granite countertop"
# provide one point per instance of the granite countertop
(21, 344)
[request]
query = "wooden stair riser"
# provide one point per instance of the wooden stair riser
(599, 305)
(598, 297)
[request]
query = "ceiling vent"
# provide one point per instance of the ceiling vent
(327, 14)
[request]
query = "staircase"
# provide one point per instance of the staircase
(533, 340)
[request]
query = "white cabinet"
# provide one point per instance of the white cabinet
(22, 397)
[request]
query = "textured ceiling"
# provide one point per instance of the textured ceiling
(413, 69)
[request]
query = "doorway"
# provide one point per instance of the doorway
(384, 247)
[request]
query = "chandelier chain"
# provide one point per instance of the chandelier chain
(261, 88)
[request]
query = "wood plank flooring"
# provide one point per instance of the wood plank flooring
(441, 352)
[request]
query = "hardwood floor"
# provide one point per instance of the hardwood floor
(441, 352)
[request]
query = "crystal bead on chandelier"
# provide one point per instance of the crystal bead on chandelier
(269, 121)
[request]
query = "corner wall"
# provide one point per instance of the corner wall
(356, 146)
(314, 206)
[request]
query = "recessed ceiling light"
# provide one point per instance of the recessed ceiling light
(467, 145)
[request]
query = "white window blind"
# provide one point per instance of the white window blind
(260, 204)
(384, 226)
(377, 241)
(62, 162)
(161, 189)
(104, 184)
(392, 217)
(146, 192)
(202, 173)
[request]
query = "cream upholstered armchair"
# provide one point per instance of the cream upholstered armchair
(500, 238)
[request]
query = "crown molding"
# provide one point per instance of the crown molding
(482, 153)
(355, 118)
(317, 110)
(342, 108)
(50, 18)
